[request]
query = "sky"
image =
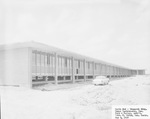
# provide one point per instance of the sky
(116, 31)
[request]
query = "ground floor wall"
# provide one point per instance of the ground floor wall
(14, 67)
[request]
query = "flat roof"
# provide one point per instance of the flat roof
(47, 48)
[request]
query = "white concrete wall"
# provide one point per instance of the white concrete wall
(14, 67)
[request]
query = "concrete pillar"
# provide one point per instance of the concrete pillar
(105, 70)
(46, 66)
(93, 70)
(137, 72)
(109, 71)
(121, 72)
(56, 70)
(114, 71)
(84, 70)
(30, 67)
(73, 77)
(100, 69)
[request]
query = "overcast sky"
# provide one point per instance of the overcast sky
(116, 31)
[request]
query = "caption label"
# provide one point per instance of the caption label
(131, 112)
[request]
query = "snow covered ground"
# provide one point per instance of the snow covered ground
(75, 101)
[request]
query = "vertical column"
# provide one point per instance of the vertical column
(115, 72)
(102, 71)
(106, 70)
(121, 72)
(124, 72)
(56, 70)
(101, 68)
(93, 70)
(84, 70)
(29, 68)
(46, 66)
(137, 73)
(118, 72)
(73, 78)
(109, 71)
(105, 74)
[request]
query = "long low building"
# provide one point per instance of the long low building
(32, 63)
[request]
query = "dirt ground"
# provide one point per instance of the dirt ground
(73, 101)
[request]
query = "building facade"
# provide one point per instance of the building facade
(32, 63)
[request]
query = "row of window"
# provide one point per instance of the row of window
(42, 59)
(48, 59)
(64, 62)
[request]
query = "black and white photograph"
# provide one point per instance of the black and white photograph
(74, 59)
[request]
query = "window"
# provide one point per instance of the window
(42, 59)
(81, 63)
(52, 60)
(59, 63)
(46, 59)
(95, 66)
(38, 59)
(65, 62)
(88, 65)
(75, 63)
(34, 58)
(77, 71)
(78, 63)
(68, 62)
